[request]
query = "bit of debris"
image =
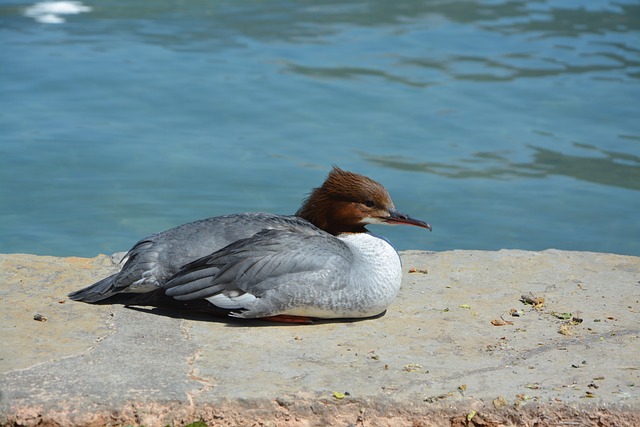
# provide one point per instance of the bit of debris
(339, 395)
(499, 402)
(534, 386)
(501, 322)
(470, 415)
(467, 306)
(521, 398)
(515, 313)
(417, 270)
(462, 388)
(565, 329)
(39, 317)
(433, 399)
(536, 302)
(412, 367)
(562, 316)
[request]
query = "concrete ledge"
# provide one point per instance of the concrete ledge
(448, 352)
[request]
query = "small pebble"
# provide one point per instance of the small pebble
(39, 317)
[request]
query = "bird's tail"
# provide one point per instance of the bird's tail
(98, 291)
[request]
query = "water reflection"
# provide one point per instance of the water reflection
(483, 69)
(351, 72)
(301, 20)
(580, 36)
(553, 20)
(614, 169)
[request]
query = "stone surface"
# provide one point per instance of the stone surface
(448, 352)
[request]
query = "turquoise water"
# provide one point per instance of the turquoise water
(506, 124)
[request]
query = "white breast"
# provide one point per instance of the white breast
(376, 273)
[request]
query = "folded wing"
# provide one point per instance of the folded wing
(276, 268)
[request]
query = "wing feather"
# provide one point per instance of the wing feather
(266, 262)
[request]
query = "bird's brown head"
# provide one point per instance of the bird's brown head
(348, 201)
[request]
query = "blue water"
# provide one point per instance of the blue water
(506, 124)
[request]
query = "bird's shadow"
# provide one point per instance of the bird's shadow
(159, 304)
(235, 322)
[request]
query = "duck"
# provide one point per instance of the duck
(321, 263)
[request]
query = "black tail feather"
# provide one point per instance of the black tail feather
(155, 298)
(96, 292)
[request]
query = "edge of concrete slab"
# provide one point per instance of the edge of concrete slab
(109, 365)
(306, 410)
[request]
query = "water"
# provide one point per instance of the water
(506, 124)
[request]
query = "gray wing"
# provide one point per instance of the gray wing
(139, 273)
(153, 260)
(287, 266)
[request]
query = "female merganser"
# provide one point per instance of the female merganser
(320, 263)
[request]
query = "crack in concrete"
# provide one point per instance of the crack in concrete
(205, 384)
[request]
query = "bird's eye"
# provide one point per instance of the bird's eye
(369, 203)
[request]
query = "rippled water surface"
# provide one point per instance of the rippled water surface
(506, 124)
